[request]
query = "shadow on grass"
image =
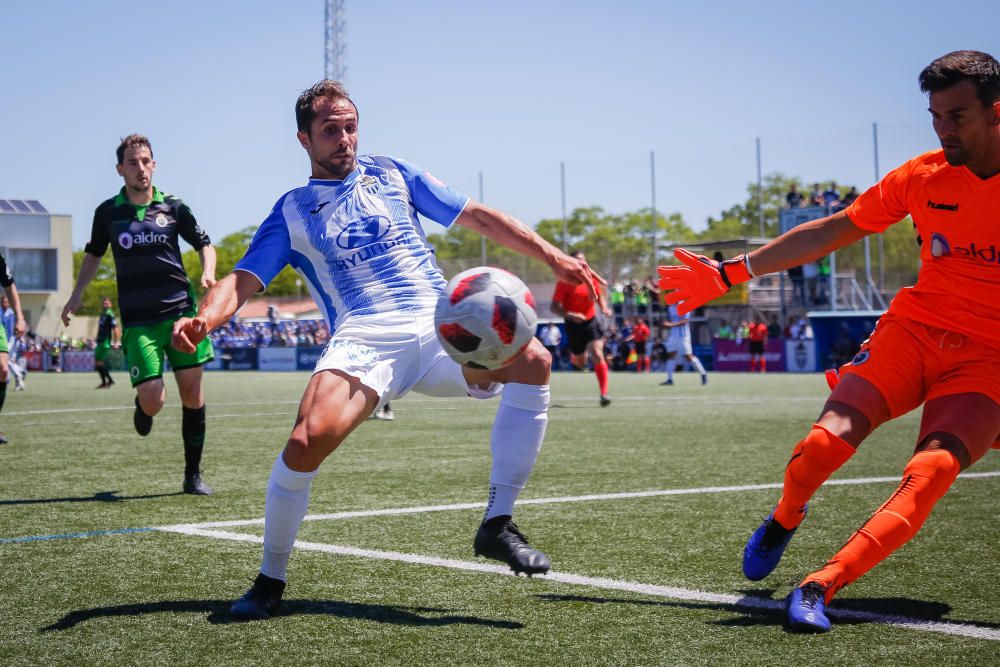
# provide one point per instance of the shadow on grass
(759, 607)
(218, 613)
(99, 497)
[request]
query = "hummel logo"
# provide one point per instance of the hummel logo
(942, 207)
(319, 208)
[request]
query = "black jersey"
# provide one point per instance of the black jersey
(152, 284)
(6, 279)
(105, 325)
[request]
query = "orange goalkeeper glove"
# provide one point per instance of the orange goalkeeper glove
(700, 279)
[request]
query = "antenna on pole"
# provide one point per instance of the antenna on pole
(335, 45)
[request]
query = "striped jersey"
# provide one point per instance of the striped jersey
(358, 242)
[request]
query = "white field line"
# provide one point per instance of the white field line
(670, 592)
(560, 499)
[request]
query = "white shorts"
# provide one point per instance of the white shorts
(393, 353)
(680, 345)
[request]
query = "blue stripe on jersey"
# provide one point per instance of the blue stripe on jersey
(308, 271)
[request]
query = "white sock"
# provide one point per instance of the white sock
(516, 439)
(696, 362)
(287, 499)
(671, 365)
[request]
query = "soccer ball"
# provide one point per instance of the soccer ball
(485, 317)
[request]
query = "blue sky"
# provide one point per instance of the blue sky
(507, 89)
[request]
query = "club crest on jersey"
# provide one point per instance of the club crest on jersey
(369, 184)
(363, 232)
(161, 220)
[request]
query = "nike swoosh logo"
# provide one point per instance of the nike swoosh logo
(319, 208)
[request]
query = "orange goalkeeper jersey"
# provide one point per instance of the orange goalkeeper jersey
(957, 215)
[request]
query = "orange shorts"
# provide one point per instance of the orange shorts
(911, 363)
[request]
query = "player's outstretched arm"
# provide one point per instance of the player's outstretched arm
(700, 279)
(221, 303)
(514, 234)
(88, 269)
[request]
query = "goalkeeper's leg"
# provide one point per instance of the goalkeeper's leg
(853, 411)
(957, 430)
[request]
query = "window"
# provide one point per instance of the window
(34, 269)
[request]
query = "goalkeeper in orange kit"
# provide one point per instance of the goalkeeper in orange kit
(937, 346)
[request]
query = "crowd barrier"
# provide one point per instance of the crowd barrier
(795, 356)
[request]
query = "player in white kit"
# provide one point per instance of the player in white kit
(353, 233)
(679, 343)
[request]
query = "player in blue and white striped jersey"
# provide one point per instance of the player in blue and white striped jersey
(354, 233)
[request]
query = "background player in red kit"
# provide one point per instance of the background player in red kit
(757, 337)
(584, 327)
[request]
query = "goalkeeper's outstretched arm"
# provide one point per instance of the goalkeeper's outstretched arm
(700, 279)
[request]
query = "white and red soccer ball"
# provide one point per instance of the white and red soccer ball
(485, 317)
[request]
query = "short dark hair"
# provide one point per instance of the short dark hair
(130, 141)
(980, 68)
(304, 112)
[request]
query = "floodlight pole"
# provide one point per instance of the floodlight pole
(652, 190)
(482, 239)
(335, 47)
(562, 183)
(881, 239)
(760, 193)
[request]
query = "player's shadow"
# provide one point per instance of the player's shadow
(759, 607)
(767, 611)
(99, 497)
(218, 613)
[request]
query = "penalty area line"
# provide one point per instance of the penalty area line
(653, 590)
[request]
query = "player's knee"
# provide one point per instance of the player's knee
(311, 441)
(846, 422)
(948, 442)
(533, 366)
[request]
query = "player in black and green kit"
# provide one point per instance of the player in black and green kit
(7, 284)
(108, 336)
(142, 225)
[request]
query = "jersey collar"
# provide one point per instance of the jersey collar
(140, 209)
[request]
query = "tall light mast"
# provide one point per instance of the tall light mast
(336, 46)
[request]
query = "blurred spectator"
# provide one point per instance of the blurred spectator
(655, 298)
(816, 196)
(551, 337)
(823, 280)
(617, 299)
(640, 338)
(831, 197)
(797, 276)
(794, 198)
(774, 328)
(641, 299)
(849, 196)
(811, 274)
(725, 332)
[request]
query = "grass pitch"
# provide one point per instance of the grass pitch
(639, 577)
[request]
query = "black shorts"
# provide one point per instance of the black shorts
(756, 347)
(581, 333)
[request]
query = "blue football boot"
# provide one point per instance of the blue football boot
(806, 608)
(765, 547)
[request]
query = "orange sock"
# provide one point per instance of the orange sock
(753, 364)
(601, 371)
(763, 364)
(814, 459)
(926, 478)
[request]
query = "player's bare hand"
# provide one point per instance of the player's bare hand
(207, 282)
(20, 326)
(71, 307)
(188, 332)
